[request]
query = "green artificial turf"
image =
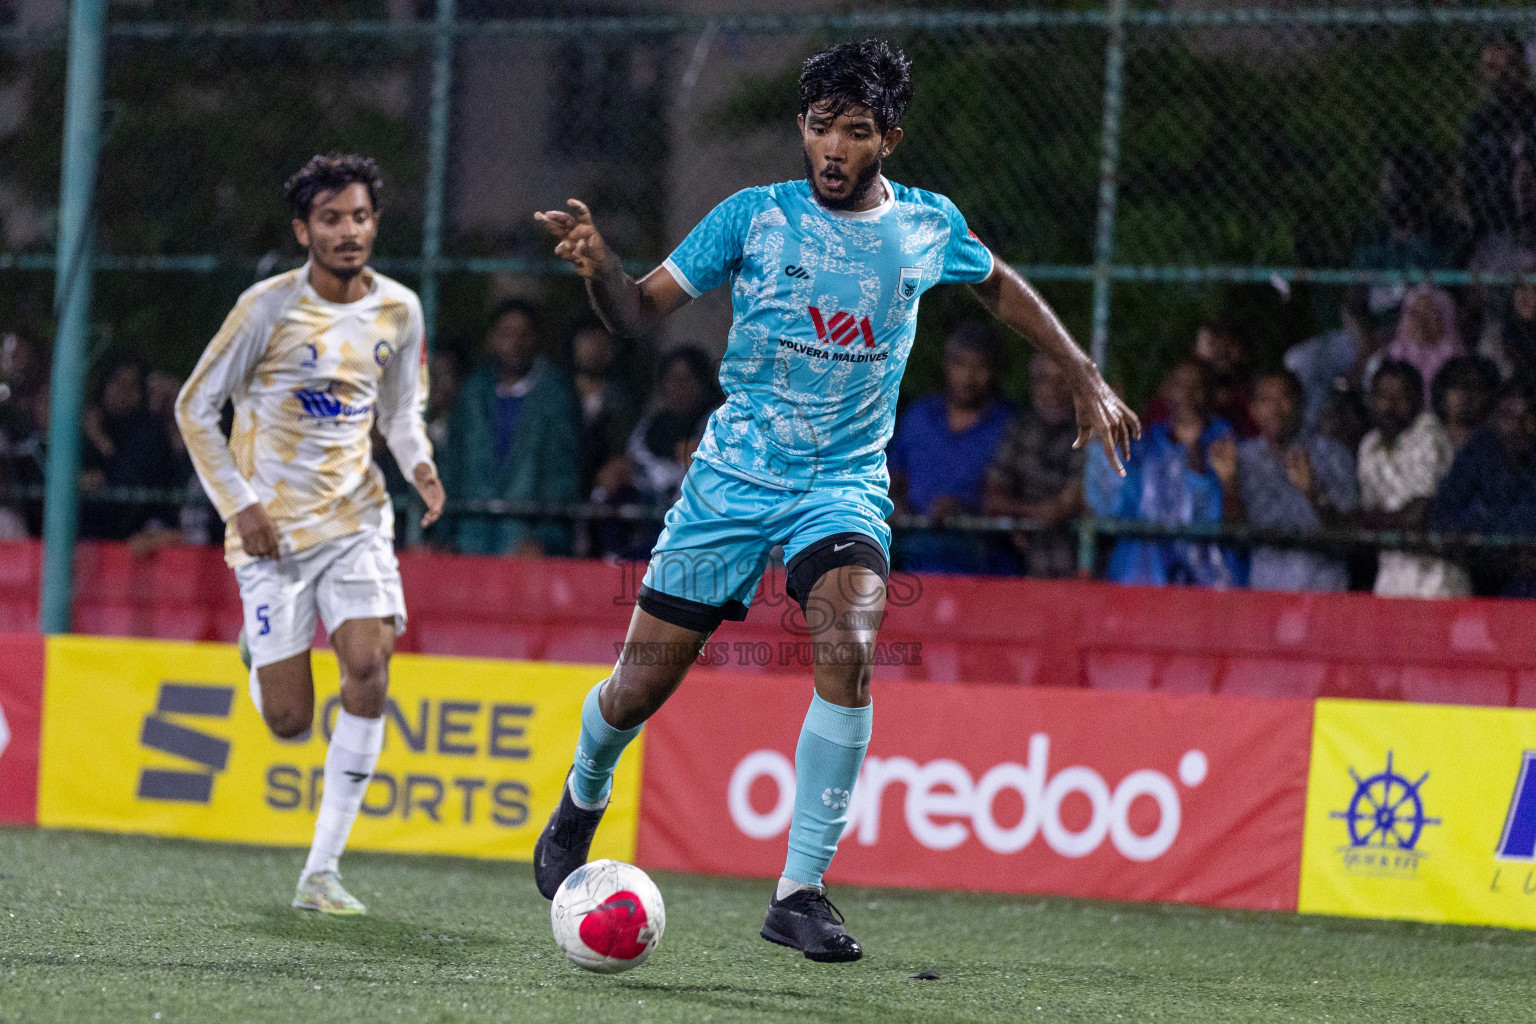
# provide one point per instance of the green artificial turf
(109, 928)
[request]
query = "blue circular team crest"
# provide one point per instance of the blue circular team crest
(383, 352)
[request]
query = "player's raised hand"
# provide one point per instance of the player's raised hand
(579, 242)
(1101, 414)
(258, 534)
(431, 490)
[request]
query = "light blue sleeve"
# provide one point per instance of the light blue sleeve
(966, 260)
(712, 251)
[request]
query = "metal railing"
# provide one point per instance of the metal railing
(1090, 532)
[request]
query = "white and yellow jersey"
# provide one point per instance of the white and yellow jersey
(308, 378)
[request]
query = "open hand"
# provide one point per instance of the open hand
(1101, 414)
(1222, 456)
(579, 243)
(424, 476)
(1298, 469)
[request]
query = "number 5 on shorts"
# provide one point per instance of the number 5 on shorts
(264, 619)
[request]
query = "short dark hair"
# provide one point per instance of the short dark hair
(331, 172)
(589, 323)
(1224, 326)
(1460, 372)
(1290, 380)
(865, 74)
(978, 336)
(1207, 375)
(512, 305)
(112, 365)
(696, 359)
(1403, 371)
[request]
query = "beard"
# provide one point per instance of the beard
(861, 186)
(337, 269)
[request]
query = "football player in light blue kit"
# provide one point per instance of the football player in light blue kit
(825, 277)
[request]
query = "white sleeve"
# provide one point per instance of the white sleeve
(224, 370)
(402, 399)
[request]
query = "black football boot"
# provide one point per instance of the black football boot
(806, 920)
(563, 845)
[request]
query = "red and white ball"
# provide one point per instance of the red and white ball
(608, 916)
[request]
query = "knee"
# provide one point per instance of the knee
(286, 723)
(843, 675)
(364, 683)
(629, 699)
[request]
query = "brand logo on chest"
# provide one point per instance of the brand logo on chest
(842, 327)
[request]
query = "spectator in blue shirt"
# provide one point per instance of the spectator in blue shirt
(1491, 487)
(1462, 396)
(1172, 478)
(942, 447)
(1291, 478)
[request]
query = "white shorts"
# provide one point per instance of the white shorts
(353, 577)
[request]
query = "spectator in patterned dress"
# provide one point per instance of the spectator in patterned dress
(1402, 461)
(1037, 474)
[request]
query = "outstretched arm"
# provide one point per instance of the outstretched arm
(1100, 412)
(627, 306)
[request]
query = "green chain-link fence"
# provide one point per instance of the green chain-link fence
(1236, 145)
(1146, 163)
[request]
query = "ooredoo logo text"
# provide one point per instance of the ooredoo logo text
(945, 804)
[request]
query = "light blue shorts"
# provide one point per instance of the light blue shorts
(714, 547)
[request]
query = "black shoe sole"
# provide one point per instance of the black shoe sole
(821, 958)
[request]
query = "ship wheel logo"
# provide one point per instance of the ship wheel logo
(1387, 810)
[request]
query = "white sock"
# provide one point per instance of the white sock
(349, 763)
(582, 804)
(788, 887)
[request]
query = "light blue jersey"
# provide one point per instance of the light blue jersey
(825, 310)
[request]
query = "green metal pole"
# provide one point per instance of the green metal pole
(1109, 169)
(432, 214)
(1087, 547)
(437, 161)
(72, 303)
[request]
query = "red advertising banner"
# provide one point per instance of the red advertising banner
(1133, 796)
(21, 714)
(956, 628)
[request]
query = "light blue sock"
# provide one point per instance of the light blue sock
(827, 759)
(597, 751)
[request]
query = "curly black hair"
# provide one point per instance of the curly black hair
(1472, 372)
(867, 74)
(1406, 372)
(331, 172)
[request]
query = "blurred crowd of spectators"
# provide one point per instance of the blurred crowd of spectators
(1415, 429)
(1416, 412)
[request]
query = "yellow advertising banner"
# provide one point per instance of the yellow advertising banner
(162, 738)
(1421, 812)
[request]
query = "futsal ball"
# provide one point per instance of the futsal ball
(607, 916)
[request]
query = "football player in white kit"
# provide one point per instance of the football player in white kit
(311, 359)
